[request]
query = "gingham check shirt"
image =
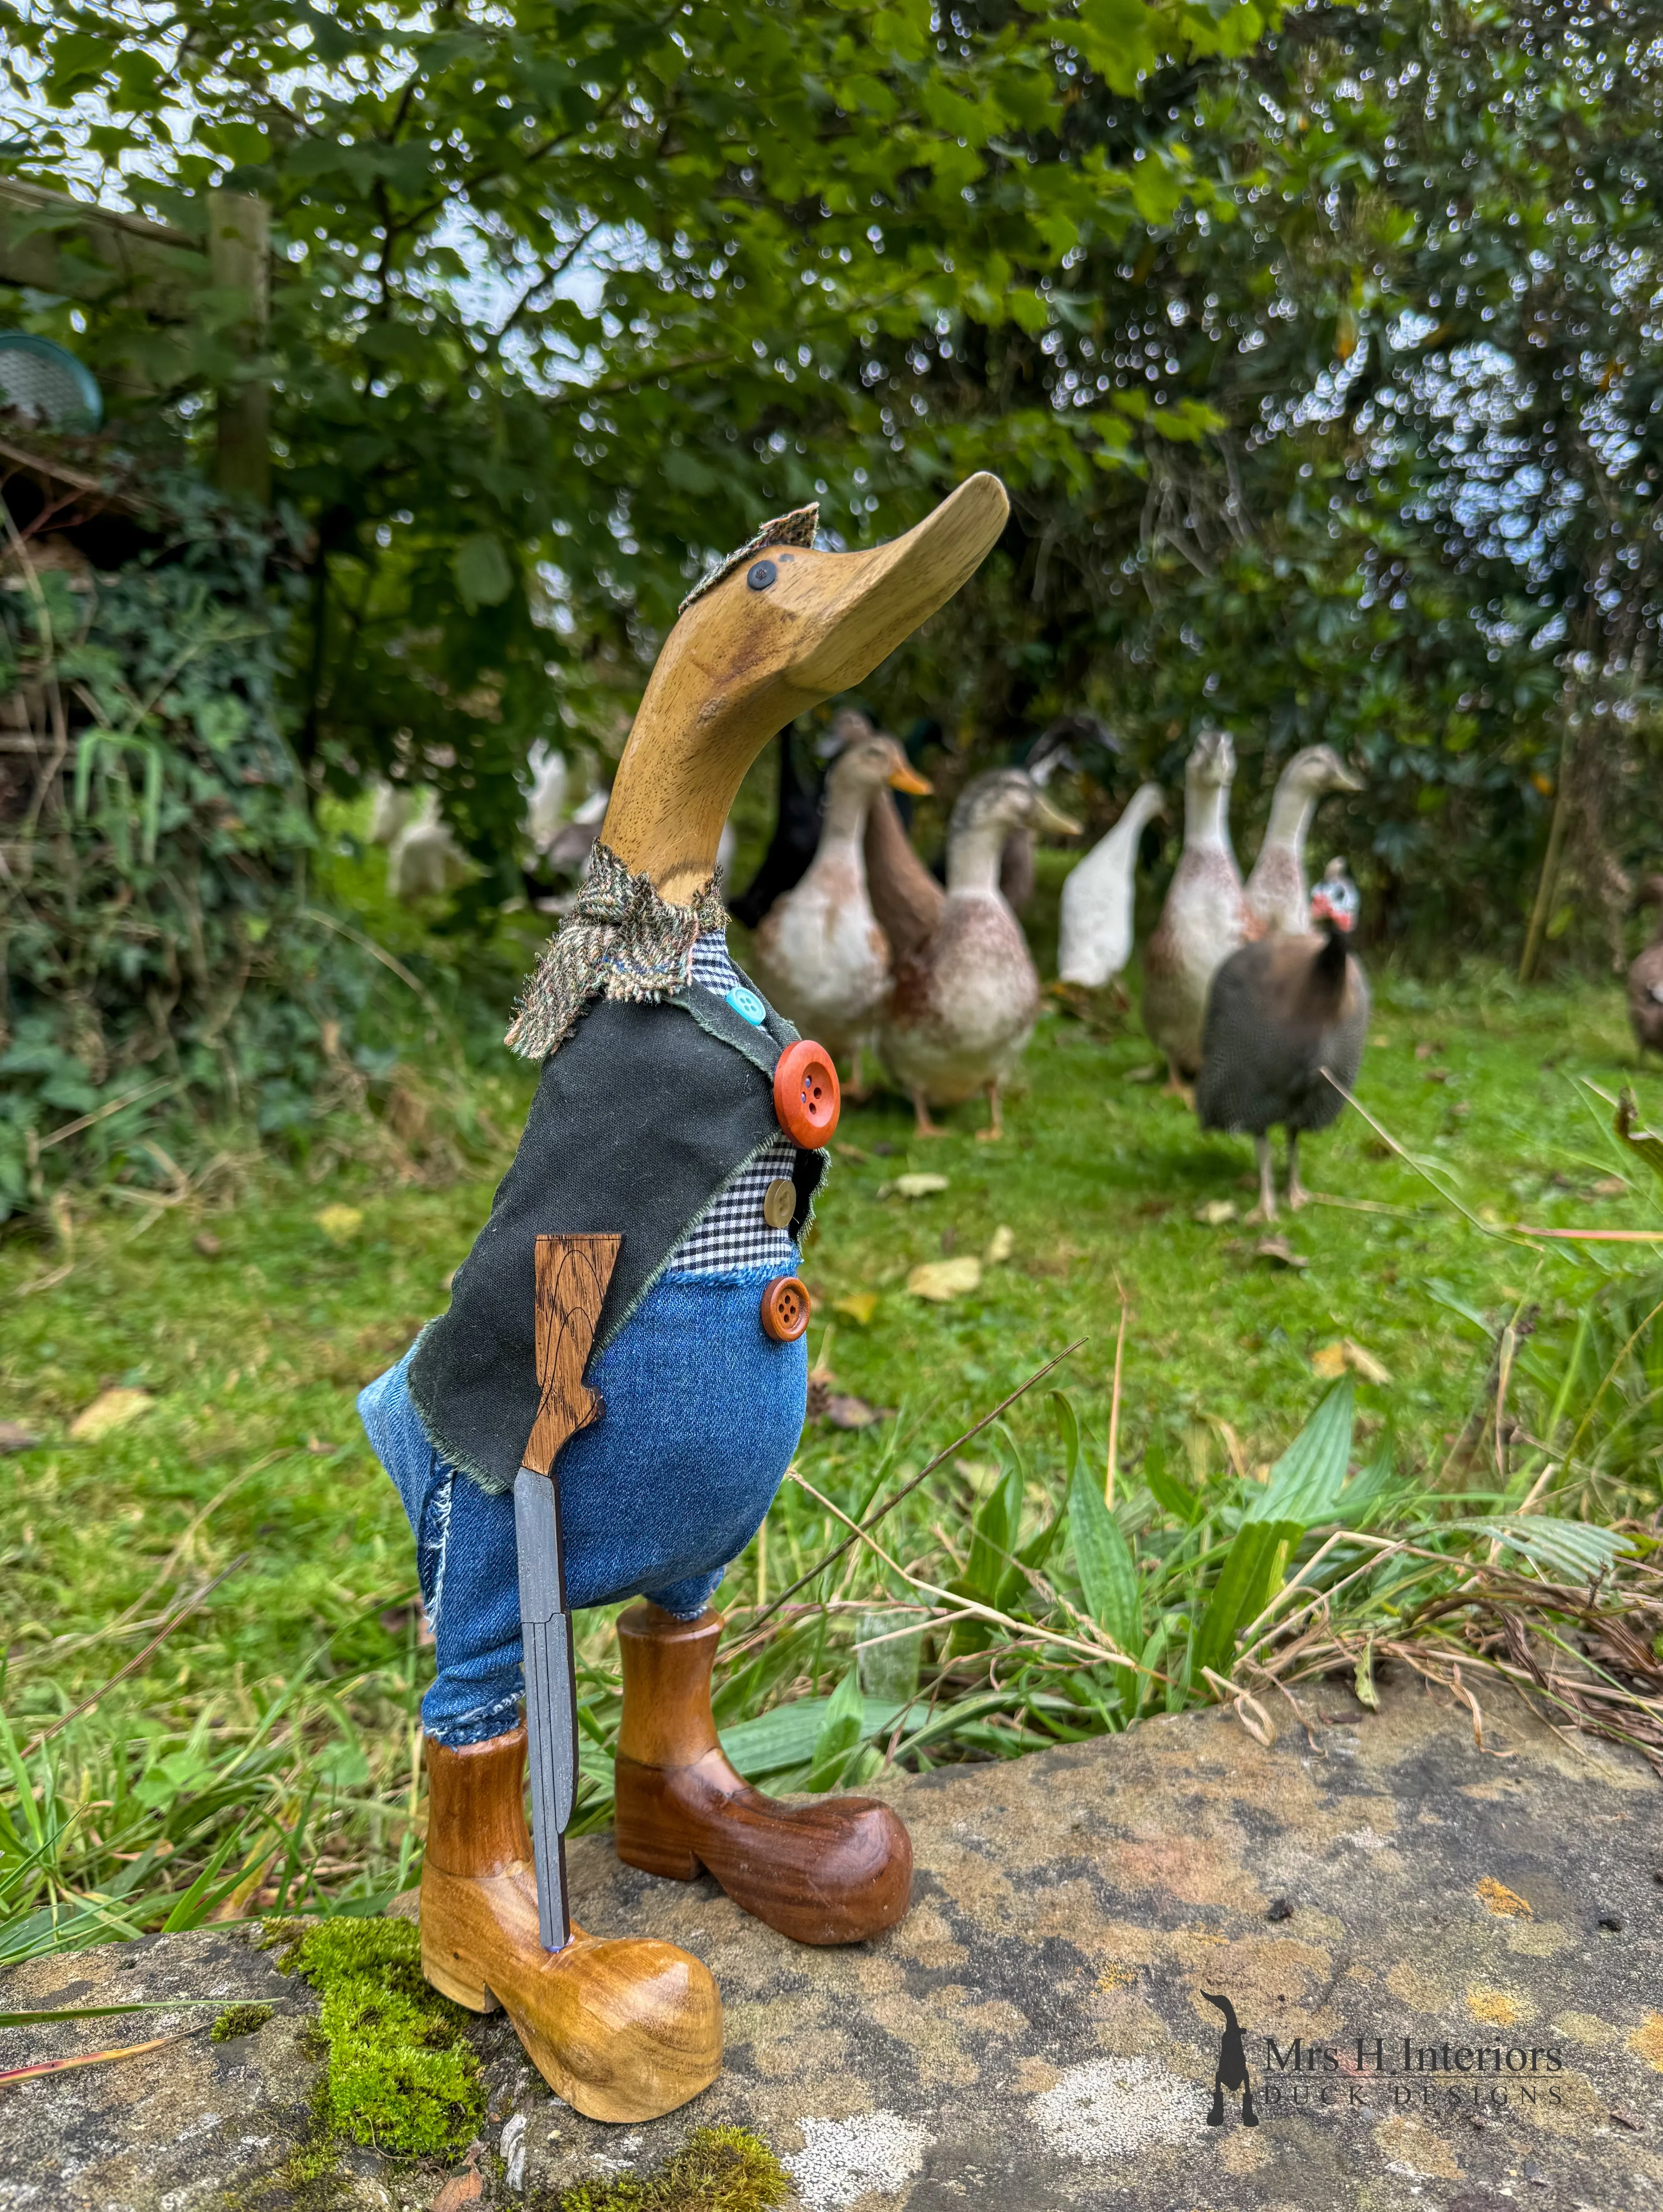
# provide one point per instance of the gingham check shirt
(731, 1233)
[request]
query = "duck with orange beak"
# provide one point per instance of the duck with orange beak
(819, 954)
(610, 1403)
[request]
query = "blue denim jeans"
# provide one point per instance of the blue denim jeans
(703, 1412)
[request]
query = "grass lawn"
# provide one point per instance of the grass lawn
(287, 1701)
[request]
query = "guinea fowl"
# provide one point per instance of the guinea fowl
(966, 993)
(1204, 918)
(1275, 892)
(1095, 941)
(1281, 1011)
(819, 954)
(1646, 976)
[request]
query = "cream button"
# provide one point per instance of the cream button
(779, 1203)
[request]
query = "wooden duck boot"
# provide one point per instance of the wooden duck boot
(835, 1870)
(623, 2030)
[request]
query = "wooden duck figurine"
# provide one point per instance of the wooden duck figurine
(964, 998)
(609, 1403)
(1277, 895)
(1646, 976)
(1095, 940)
(819, 954)
(1204, 918)
(1281, 1011)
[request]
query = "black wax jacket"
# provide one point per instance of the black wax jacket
(642, 1115)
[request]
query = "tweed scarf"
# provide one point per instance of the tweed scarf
(620, 941)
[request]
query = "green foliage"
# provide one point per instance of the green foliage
(565, 301)
(157, 945)
(402, 2077)
(715, 2170)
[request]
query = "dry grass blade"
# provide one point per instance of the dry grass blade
(90, 2058)
(907, 1488)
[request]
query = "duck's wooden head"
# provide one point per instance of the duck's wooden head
(772, 638)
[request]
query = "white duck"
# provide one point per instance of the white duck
(1205, 916)
(966, 996)
(1095, 941)
(1277, 895)
(818, 952)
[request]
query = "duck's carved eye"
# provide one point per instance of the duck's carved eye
(760, 574)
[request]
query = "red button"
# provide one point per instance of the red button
(807, 1100)
(785, 1308)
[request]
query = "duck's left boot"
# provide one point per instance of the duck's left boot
(624, 2029)
(835, 1870)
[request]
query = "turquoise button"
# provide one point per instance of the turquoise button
(747, 1005)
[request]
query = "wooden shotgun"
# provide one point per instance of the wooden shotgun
(572, 1275)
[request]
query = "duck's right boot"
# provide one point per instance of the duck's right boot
(623, 2029)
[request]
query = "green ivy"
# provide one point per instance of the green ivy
(158, 947)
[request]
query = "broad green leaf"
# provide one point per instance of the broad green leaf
(841, 1734)
(1242, 1590)
(1169, 1491)
(1068, 1428)
(1304, 1485)
(1108, 1572)
(481, 568)
(1572, 1550)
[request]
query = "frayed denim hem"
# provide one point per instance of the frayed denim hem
(500, 1718)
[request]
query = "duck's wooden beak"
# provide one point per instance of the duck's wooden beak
(769, 641)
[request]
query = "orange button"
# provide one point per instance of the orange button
(785, 1308)
(807, 1100)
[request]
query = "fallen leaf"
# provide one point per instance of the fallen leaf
(918, 1186)
(339, 1224)
(1380, 1041)
(859, 1305)
(14, 1436)
(1330, 1360)
(1625, 2118)
(1608, 1187)
(207, 1243)
(846, 1412)
(109, 1411)
(461, 2189)
(1435, 1075)
(1216, 1212)
(1278, 1250)
(1365, 1364)
(1146, 1074)
(853, 1153)
(319, 1449)
(1001, 1245)
(942, 1279)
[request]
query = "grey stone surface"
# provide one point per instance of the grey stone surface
(1034, 2035)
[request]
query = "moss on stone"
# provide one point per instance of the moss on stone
(240, 2020)
(401, 2076)
(715, 2170)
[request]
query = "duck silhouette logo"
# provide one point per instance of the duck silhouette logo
(1232, 2070)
